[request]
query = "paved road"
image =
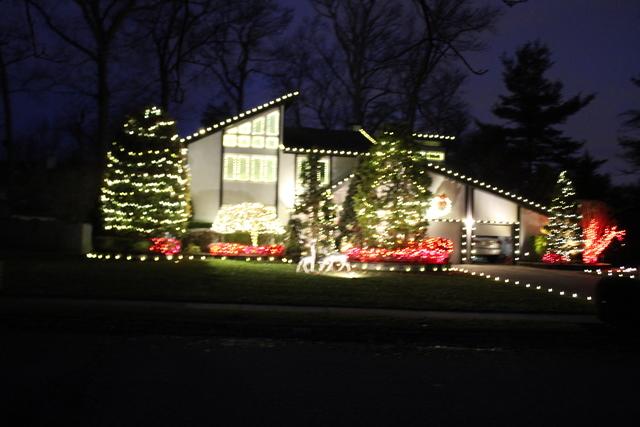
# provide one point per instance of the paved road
(569, 281)
(89, 379)
(54, 307)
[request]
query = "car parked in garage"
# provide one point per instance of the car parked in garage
(487, 247)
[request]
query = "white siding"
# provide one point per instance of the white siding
(286, 185)
(341, 167)
(530, 225)
(204, 164)
(489, 207)
(453, 190)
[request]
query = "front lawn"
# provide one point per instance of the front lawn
(233, 281)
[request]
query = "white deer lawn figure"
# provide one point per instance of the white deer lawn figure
(308, 263)
(335, 258)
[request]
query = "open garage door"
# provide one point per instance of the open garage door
(492, 243)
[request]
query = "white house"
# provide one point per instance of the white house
(253, 157)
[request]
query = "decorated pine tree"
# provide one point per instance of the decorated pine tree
(145, 191)
(347, 221)
(315, 208)
(563, 230)
(393, 193)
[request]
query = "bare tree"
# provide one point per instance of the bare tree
(442, 33)
(16, 47)
(91, 28)
(177, 30)
(298, 66)
(242, 49)
(359, 55)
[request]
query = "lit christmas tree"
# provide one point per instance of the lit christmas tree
(145, 191)
(315, 208)
(563, 230)
(393, 195)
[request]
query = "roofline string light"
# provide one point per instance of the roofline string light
(469, 179)
(432, 136)
(240, 116)
(486, 186)
(441, 169)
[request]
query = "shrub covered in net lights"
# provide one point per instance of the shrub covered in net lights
(432, 250)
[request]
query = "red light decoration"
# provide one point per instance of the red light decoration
(240, 250)
(165, 245)
(554, 258)
(597, 238)
(433, 250)
(598, 230)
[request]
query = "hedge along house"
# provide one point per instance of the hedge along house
(253, 157)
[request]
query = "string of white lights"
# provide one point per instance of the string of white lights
(630, 272)
(210, 129)
(537, 287)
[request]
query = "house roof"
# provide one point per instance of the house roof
(241, 116)
(343, 142)
(457, 176)
(351, 143)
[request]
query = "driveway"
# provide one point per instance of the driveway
(559, 280)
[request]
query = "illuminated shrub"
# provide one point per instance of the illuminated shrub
(165, 245)
(240, 250)
(432, 250)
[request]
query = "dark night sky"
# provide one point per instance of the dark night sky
(595, 46)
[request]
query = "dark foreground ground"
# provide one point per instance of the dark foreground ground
(330, 372)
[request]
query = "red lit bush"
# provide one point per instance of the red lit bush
(598, 230)
(553, 258)
(165, 245)
(433, 250)
(237, 249)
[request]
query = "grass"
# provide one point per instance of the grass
(232, 281)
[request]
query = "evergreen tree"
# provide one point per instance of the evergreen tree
(293, 239)
(528, 149)
(563, 230)
(535, 106)
(348, 221)
(315, 208)
(393, 194)
(145, 191)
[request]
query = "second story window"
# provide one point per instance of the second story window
(261, 132)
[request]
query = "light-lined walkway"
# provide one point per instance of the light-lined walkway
(569, 281)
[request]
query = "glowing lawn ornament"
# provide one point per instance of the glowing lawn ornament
(327, 263)
(308, 263)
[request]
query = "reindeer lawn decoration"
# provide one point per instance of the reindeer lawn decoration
(327, 263)
(308, 263)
